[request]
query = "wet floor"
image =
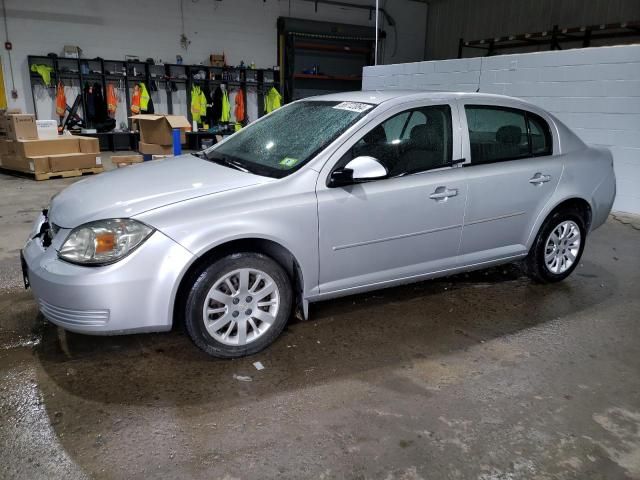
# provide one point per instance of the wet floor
(481, 376)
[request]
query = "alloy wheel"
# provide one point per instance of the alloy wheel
(562, 247)
(241, 306)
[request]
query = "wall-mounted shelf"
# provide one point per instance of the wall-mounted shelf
(323, 47)
(105, 71)
(556, 38)
(337, 51)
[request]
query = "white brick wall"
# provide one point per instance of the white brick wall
(595, 91)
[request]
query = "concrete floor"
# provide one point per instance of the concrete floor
(483, 376)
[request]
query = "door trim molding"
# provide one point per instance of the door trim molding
(499, 217)
(395, 237)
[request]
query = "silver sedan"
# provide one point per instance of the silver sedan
(324, 197)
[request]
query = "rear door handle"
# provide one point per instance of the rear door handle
(442, 193)
(539, 179)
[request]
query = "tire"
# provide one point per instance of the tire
(241, 322)
(545, 270)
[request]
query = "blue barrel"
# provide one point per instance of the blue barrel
(177, 146)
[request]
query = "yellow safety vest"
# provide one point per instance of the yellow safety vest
(272, 100)
(196, 104)
(144, 97)
(226, 107)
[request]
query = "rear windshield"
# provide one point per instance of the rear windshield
(288, 138)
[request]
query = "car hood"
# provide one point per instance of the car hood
(129, 191)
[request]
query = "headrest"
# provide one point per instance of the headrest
(511, 134)
(426, 136)
(376, 136)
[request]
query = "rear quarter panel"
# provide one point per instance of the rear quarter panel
(587, 175)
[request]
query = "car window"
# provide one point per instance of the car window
(409, 142)
(540, 135)
(393, 127)
(499, 133)
(416, 118)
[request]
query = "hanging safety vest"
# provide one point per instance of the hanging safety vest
(44, 71)
(144, 97)
(239, 110)
(135, 100)
(112, 100)
(226, 107)
(203, 103)
(196, 104)
(61, 100)
(272, 100)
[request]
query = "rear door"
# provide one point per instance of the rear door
(512, 173)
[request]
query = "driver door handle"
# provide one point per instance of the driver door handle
(539, 179)
(442, 193)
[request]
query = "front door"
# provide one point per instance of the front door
(403, 226)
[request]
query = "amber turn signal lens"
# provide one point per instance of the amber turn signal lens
(105, 242)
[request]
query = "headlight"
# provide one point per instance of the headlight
(104, 241)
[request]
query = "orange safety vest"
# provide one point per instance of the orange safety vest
(135, 100)
(61, 100)
(112, 100)
(239, 111)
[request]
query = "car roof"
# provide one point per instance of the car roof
(377, 97)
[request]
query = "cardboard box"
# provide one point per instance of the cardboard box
(38, 164)
(4, 117)
(125, 160)
(21, 164)
(53, 146)
(21, 127)
(216, 60)
(155, 149)
(7, 147)
(89, 144)
(71, 51)
(158, 129)
(72, 161)
(9, 111)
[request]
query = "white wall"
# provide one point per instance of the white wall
(595, 91)
(242, 29)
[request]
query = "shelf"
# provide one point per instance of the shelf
(160, 74)
(323, 47)
(341, 78)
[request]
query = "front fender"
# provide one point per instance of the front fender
(284, 212)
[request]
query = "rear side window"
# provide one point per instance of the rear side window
(498, 134)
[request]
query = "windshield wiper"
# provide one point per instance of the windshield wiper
(229, 163)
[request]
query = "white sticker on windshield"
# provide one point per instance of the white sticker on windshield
(354, 106)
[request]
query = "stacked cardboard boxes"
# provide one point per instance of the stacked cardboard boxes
(120, 161)
(156, 132)
(22, 151)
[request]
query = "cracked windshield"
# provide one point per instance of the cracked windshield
(289, 137)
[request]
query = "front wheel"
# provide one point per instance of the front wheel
(238, 305)
(558, 247)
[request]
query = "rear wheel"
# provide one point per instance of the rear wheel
(238, 305)
(558, 247)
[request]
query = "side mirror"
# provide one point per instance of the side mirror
(358, 170)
